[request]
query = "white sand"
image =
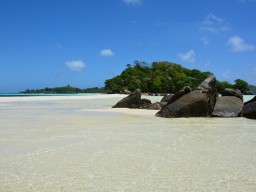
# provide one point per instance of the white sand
(53, 98)
(84, 145)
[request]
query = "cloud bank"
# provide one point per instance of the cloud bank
(107, 53)
(189, 57)
(75, 65)
(237, 44)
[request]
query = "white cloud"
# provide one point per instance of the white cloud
(132, 2)
(237, 44)
(107, 52)
(189, 57)
(215, 24)
(205, 40)
(75, 65)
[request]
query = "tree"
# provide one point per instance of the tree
(163, 77)
(241, 85)
(221, 86)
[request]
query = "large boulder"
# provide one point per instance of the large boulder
(208, 86)
(231, 92)
(133, 101)
(249, 109)
(185, 90)
(193, 104)
(173, 97)
(154, 106)
(166, 98)
(197, 103)
(228, 106)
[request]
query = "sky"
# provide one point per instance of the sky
(51, 43)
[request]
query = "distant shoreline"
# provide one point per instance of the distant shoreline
(47, 94)
(47, 97)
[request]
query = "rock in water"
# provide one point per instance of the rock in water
(228, 106)
(133, 101)
(197, 103)
(249, 109)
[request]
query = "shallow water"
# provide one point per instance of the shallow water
(73, 145)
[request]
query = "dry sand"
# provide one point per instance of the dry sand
(57, 144)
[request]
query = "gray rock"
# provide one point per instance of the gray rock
(193, 104)
(154, 106)
(185, 90)
(162, 103)
(167, 98)
(228, 106)
(249, 109)
(187, 103)
(133, 101)
(127, 92)
(232, 92)
(208, 86)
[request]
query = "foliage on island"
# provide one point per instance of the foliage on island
(64, 90)
(252, 88)
(157, 77)
(163, 77)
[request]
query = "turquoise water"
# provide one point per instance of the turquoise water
(60, 145)
(153, 99)
(33, 95)
(248, 97)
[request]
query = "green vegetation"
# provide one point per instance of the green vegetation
(163, 77)
(64, 90)
(158, 77)
(252, 88)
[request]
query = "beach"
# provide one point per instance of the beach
(80, 143)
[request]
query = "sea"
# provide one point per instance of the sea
(45, 95)
(83, 144)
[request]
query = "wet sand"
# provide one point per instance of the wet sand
(84, 145)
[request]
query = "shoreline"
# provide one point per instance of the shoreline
(62, 97)
(82, 144)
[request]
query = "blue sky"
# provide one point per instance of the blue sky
(48, 43)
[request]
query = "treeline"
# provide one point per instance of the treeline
(164, 77)
(64, 90)
(252, 89)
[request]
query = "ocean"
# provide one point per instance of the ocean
(45, 95)
(83, 145)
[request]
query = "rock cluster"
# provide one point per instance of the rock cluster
(188, 103)
(201, 102)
